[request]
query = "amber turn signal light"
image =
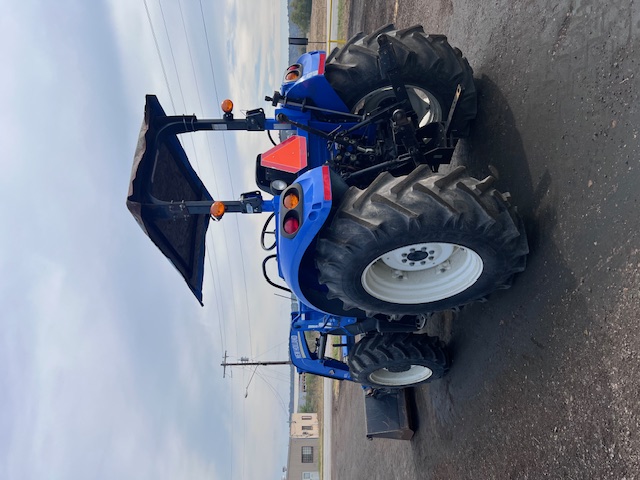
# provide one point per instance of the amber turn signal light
(291, 200)
(227, 106)
(217, 210)
(289, 77)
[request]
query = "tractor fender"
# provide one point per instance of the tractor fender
(314, 188)
(313, 85)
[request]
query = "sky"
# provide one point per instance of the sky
(109, 367)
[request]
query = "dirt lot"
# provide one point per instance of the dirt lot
(545, 382)
(318, 26)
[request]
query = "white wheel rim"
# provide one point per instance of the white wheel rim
(425, 105)
(422, 273)
(415, 374)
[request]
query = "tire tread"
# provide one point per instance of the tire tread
(392, 208)
(378, 351)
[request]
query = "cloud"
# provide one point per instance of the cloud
(257, 48)
(74, 375)
(78, 409)
(108, 366)
(137, 56)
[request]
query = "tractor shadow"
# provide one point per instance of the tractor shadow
(509, 332)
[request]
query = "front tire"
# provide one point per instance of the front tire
(398, 360)
(420, 243)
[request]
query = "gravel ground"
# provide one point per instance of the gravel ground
(318, 26)
(545, 382)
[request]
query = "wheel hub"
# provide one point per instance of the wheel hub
(401, 368)
(423, 102)
(401, 375)
(419, 256)
(422, 272)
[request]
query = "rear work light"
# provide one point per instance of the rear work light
(291, 224)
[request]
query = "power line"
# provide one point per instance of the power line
(175, 66)
(221, 318)
(272, 348)
(246, 392)
(155, 40)
(260, 374)
(184, 104)
(193, 68)
(206, 35)
(218, 301)
(226, 155)
(195, 151)
(275, 392)
(173, 58)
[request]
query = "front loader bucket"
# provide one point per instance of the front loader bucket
(389, 415)
(162, 173)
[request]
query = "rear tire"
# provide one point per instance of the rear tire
(420, 243)
(398, 360)
(429, 66)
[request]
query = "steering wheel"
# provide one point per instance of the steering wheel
(264, 234)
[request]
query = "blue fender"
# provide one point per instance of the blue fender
(312, 83)
(316, 201)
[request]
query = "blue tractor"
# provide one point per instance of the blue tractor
(368, 236)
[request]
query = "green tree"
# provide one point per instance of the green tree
(301, 14)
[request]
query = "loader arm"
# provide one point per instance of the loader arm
(166, 196)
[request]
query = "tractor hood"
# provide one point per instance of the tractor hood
(162, 173)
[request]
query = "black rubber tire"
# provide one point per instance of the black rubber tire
(420, 207)
(398, 352)
(427, 61)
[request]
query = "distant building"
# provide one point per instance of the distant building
(302, 391)
(304, 425)
(304, 431)
(304, 447)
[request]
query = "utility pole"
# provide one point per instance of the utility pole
(226, 364)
